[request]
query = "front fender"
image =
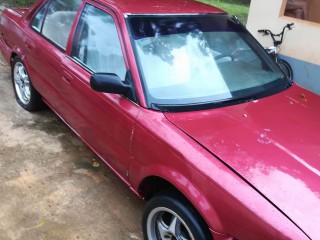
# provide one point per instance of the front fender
(227, 203)
(154, 154)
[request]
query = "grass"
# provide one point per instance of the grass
(239, 8)
(18, 3)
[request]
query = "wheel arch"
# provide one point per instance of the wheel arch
(209, 216)
(16, 52)
(155, 185)
(185, 189)
(152, 185)
(13, 55)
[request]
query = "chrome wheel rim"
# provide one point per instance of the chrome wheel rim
(21, 83)
(165, 224)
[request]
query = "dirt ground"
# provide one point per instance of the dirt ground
(52, 185)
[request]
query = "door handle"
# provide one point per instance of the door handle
(29, 44)
(67, 77)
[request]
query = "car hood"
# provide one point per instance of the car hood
(274, 143)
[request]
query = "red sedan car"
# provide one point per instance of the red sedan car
(184, 105)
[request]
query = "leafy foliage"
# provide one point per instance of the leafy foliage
(18, 3)
(243, 2)
(239, 8)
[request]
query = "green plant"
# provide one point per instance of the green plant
(18, 3)
(239, 8)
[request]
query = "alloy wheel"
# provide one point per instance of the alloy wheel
(22, 83)
(165, 224)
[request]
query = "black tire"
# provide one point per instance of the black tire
(161, 211)
(286, 68)
(26, 95)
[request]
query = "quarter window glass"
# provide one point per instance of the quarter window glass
(97, 43)
(38, 19)
(59, 20)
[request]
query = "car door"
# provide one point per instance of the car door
(104, 120)
(45, 48)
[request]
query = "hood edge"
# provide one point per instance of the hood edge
(239, 175)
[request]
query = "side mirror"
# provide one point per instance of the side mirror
(109, 83)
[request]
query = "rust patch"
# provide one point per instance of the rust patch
(303, 97)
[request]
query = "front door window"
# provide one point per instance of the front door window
(97, 44)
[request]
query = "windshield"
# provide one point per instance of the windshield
(200, 59)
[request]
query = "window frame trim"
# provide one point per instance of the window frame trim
(119, 33)
(36, 13)
(124, 48)
(40, 33)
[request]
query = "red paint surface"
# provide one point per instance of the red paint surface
(251, 170)
(273, 143)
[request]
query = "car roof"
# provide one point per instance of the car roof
(160, 6)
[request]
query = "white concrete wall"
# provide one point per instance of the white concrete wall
(302, 43)
(301, 46)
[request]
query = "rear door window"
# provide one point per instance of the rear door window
(58, 21)
(37, 21)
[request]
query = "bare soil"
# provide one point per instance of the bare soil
(52, 185)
